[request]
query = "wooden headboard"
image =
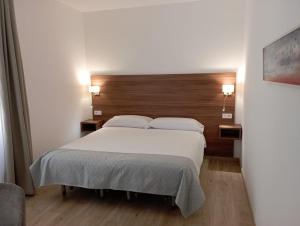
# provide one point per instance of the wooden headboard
(197, 96)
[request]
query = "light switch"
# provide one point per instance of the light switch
(97, 112)
(227, 115)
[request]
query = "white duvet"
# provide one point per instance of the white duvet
(187, 144)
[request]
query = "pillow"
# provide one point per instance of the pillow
(187, 124)
(131, 121)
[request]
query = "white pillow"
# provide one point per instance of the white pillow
(131, 121)
(187, 124)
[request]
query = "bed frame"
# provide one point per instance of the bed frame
(101, 194)
(197, 96)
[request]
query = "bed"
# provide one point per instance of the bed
(153, 161)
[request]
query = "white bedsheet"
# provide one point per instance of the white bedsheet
(187, 144)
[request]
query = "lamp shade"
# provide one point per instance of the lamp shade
(228, 89)
(94, 89)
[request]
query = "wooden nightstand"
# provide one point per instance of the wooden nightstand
(90, 125)
(230, 132)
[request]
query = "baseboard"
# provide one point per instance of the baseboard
(247, 194)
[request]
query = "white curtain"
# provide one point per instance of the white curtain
(15, 125)
(1, 145)
(2, 157)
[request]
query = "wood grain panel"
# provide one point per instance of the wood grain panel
(197, 96)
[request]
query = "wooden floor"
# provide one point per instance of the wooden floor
(226, 204)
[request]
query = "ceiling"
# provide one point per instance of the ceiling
(97, 5)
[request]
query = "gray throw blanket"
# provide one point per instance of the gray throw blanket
(152, 174)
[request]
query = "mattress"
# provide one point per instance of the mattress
(189, 144)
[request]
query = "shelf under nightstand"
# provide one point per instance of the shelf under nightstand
(230, 132)
(90, 125)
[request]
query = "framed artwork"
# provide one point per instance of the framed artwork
(282, 59)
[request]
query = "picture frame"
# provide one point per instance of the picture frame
(281, 59)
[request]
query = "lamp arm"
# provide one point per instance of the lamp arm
(224, 103)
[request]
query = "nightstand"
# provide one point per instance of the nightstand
(90, 125)
(230, 132)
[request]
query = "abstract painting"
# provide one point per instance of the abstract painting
(282, 59)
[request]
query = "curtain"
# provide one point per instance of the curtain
(1, 145)
(16, 142)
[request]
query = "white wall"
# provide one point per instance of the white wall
(271, 151)
(52, 44)
(195, 37)
(177, 38)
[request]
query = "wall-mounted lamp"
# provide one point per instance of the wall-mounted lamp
(228, 90)
(95, 90)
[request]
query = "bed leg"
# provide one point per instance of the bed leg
(128, 195)
(173, 201)
(101, 193)
(64, 190)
